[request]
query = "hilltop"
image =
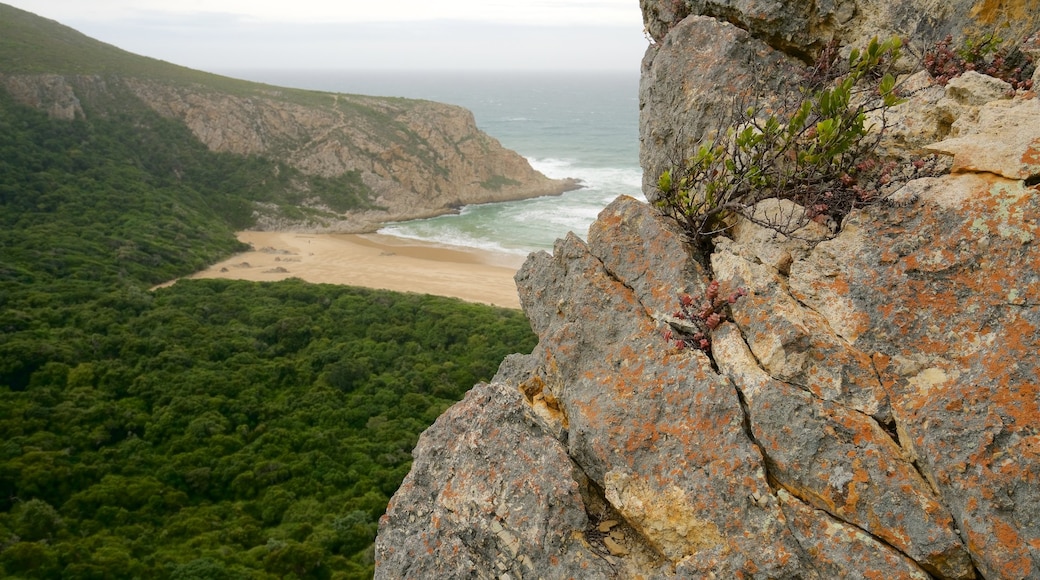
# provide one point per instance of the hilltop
(358, 160)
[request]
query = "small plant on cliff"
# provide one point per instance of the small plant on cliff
(816, 150)
(988, 54)
(691, 325)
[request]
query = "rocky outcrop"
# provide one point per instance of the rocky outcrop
(691, 80)
(50, 93)
(420, 158)
(797, 28)
(869, 410)
(710, 57)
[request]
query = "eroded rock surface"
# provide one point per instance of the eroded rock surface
(483, 468)
(870, 411)
(726, 464)
(871, 408)
(421, 158)
(708, 58)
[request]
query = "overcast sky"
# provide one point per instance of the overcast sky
(222, 35)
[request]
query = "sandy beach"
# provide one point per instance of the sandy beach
(375, 261)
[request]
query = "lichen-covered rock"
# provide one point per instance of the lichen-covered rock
(870, 409)
(842, 461)
(659, 431)
(950, 291)
(489, 496)
(843, 551)
(795, 344)
(919, 457)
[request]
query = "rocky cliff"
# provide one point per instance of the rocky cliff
(416, 158)
(871, 409)
(420, 158)
(703, 53)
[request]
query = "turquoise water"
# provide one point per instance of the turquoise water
(581, 125)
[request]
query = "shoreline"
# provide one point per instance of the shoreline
(363, 223)
(373, 260)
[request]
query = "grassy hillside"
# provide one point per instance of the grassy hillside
(30, 44)
(213, 429)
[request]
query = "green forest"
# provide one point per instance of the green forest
(213, 428)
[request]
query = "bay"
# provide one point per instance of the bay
(567, 124)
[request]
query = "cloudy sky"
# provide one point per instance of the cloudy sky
(221, 35)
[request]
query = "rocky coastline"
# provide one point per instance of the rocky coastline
(418, 158)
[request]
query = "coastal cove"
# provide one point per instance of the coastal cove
(579, 126)
(374, 261)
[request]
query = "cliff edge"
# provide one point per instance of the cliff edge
(870, 411)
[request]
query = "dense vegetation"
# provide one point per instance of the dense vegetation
(212, 429)
(235, 427)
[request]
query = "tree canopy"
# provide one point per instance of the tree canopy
(214, 428)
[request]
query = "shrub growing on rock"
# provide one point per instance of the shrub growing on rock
(987, 54)
(815, 148)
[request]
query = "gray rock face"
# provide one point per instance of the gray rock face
(485, 469)
(691, 81)
(799, 27)
(707, 55)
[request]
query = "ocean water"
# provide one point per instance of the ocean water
(582, 125)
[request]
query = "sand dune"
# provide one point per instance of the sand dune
(375, 261)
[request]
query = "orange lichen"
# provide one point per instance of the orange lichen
(997, 11)
(1032, 153)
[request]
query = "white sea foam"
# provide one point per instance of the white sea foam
(450, 237)
(554, 168)
(584, 128)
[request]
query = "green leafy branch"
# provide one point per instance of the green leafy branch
(818, 151)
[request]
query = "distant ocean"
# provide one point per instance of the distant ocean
(582, 125)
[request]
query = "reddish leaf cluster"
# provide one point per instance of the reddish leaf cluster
(827, 67)
(703, 314)
(985, 55)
